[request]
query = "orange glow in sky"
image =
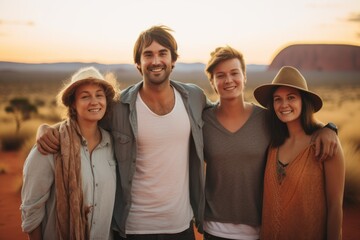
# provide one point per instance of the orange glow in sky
(104, 31)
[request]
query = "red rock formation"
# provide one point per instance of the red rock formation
(319, 57)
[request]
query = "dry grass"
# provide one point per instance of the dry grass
(343, 108)
(352, 166)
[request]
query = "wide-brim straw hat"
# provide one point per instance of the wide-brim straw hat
(289, 77)
(85, 75)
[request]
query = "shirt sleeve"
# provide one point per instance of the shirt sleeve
(38, 180)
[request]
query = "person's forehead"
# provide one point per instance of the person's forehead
(287, 89)
(228, 64)
(155, 46)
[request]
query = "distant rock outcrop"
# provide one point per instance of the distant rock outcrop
(319, 57)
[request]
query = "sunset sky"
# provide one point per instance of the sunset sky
(104, 31)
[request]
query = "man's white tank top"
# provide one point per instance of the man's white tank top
(160, 188)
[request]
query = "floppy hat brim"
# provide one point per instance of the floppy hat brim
(263, 94)
(72, 87)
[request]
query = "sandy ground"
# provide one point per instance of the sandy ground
(10, 184)
(10, 217)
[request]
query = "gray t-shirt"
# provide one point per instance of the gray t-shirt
(235, 164)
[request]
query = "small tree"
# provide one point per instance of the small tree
(22, 109)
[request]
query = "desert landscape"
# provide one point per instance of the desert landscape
(340, 92)
(43, 43)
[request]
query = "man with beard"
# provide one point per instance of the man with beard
(157, 131)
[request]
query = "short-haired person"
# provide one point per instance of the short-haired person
(71, 194)
(236, 138)
(157, 130)
(302, 196)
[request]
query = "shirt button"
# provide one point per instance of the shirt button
(96, 184)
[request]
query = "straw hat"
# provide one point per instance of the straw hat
(85, 75)
(288, 77)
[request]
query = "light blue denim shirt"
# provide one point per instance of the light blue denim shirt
(98, 185)
(123, 127)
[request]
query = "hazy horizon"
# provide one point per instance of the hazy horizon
(40, 31)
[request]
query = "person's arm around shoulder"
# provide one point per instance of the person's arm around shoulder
(334, 182)
(326, 143)
(47, 139)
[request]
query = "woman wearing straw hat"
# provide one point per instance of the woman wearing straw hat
(70, 195)
(236, 137)
(302, 196)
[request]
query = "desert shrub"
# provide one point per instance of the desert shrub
(21, 108)
(12, 143)
(39, 102)
(3, 169)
